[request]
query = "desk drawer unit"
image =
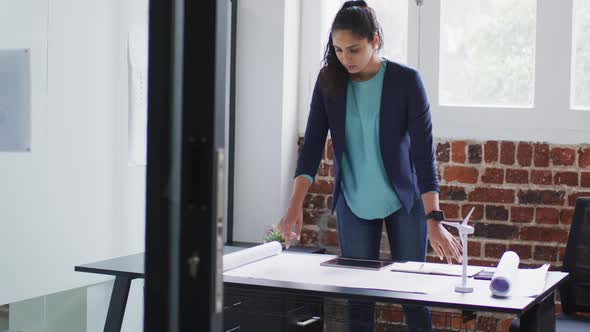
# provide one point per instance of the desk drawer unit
(254, 310)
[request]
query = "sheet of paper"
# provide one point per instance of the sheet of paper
(530, 282)
(305, 268)
(435, 268)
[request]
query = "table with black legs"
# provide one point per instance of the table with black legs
(274, 305)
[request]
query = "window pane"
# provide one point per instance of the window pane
(581, 54)
(393, 17)
(487, 52)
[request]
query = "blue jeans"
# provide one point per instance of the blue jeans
(361, 238)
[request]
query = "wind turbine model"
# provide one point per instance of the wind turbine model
(464, 230)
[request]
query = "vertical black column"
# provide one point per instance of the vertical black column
(232, 123)
(185, 98)
(158, 280)
(200, 305)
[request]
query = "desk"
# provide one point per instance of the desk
(127, 268)
(536, 313)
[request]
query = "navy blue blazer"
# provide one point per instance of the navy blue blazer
(405, 135)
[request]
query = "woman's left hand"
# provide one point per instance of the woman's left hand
(444, 243)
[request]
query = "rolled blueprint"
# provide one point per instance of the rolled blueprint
(247, 256)
(505, 275)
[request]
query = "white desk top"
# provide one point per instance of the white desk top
(292, 270)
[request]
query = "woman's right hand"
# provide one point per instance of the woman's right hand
(293, 217)
(294, 214)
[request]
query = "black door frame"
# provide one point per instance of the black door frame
(186, 111)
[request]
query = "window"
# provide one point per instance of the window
(487, 52)
(393, 17)
(493, 69)
(507, 70)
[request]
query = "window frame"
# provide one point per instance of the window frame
(545, 120)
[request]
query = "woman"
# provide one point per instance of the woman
(385, 172)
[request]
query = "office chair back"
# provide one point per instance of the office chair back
(575, 293)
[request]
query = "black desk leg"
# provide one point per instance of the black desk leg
(541, 317)
(117, 304)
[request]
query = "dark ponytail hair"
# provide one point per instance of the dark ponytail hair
(355, 16)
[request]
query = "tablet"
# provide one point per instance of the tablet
(354, 263)
(484, 275)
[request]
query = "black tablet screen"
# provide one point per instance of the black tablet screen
(356, 263)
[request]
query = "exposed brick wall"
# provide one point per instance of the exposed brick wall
(390, 317)
(319, 226)
(523, 193)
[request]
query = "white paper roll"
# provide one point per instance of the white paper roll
(505, 274)
(247, 256)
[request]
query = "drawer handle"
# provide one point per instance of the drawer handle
(233, 305)
(309, 321)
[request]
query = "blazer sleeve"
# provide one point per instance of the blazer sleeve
(315, 135)
(421, 140)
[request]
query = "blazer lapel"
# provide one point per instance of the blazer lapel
(385, 120)
(338, 130)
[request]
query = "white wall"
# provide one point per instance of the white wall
(290, 99)
(73, 199)
(310, 56)
(266, 113)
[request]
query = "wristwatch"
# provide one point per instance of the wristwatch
(437, 215)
